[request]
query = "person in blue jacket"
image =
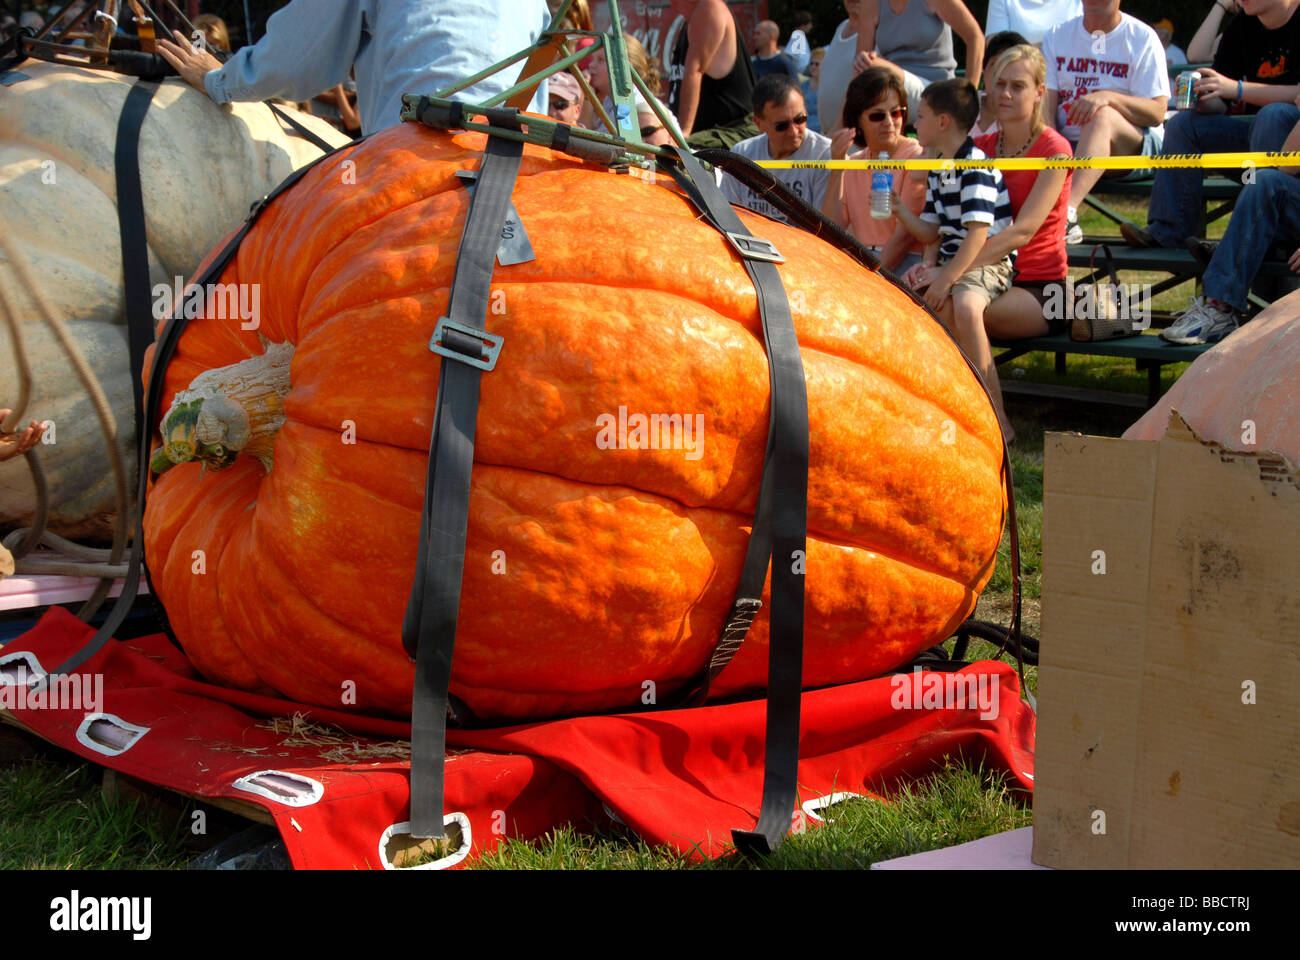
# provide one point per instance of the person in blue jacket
(416, 46)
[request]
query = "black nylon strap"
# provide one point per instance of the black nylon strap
(758, 552)
(301, 129)
(780, 523)
(429, 628)
(131, 228)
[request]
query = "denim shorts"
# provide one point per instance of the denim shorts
(1153, 142)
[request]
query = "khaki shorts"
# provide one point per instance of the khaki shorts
(988, 282)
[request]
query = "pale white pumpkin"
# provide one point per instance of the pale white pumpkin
(201, 168)
(1241, 392)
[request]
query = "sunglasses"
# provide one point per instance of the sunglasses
(559, 103)
(897, 113)
(781, 126)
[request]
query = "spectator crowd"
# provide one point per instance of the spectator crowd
(987, 250)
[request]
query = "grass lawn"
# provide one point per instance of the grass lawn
(52, 813)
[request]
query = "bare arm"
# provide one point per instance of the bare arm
(704, 35)
(1042, 198)
(941, 285)
(964, 258)
(21, 439)
(348, 112)
(1139, 111)
(956, 15)
(1049, 109)
(892, 254)
(1201, 49)
(868, 19)
(923, 230)
(833, 203)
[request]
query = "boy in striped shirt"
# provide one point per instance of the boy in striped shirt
(963, 209)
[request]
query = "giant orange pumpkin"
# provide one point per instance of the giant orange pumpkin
(590, 569)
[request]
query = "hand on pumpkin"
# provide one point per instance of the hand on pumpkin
(18, 443)
(190, 62)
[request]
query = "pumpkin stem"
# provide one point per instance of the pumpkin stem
(228, 411)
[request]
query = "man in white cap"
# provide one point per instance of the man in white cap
(565, 98)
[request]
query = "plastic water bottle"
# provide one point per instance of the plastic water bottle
(882, 182)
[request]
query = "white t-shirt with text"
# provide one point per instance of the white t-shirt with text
(809, 185)
(1130, 60)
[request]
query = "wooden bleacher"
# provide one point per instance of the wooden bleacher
(1179, 265)
(1146, 349)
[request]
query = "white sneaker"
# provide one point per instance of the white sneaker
(1073, 232)
(1201, 322)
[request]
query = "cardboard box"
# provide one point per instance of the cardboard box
(1169, 687)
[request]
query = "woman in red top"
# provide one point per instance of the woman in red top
(1038, 201)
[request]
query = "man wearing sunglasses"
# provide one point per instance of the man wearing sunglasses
(782, 116)
(565, 98)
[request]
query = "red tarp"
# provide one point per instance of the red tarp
(680, 777)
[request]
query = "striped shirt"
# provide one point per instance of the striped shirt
(956, 198)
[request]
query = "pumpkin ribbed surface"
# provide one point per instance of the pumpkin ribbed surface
(201, 167)
(588, 570)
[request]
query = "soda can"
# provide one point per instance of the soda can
(1185, 90)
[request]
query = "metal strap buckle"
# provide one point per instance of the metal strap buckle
(755, 248)
(491, 344)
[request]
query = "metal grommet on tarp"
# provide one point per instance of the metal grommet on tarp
(109, 734)
(812, 808)
(20, 668)
(403, 829)
(290, 789)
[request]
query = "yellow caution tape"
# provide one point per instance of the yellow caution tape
(1178, 160)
